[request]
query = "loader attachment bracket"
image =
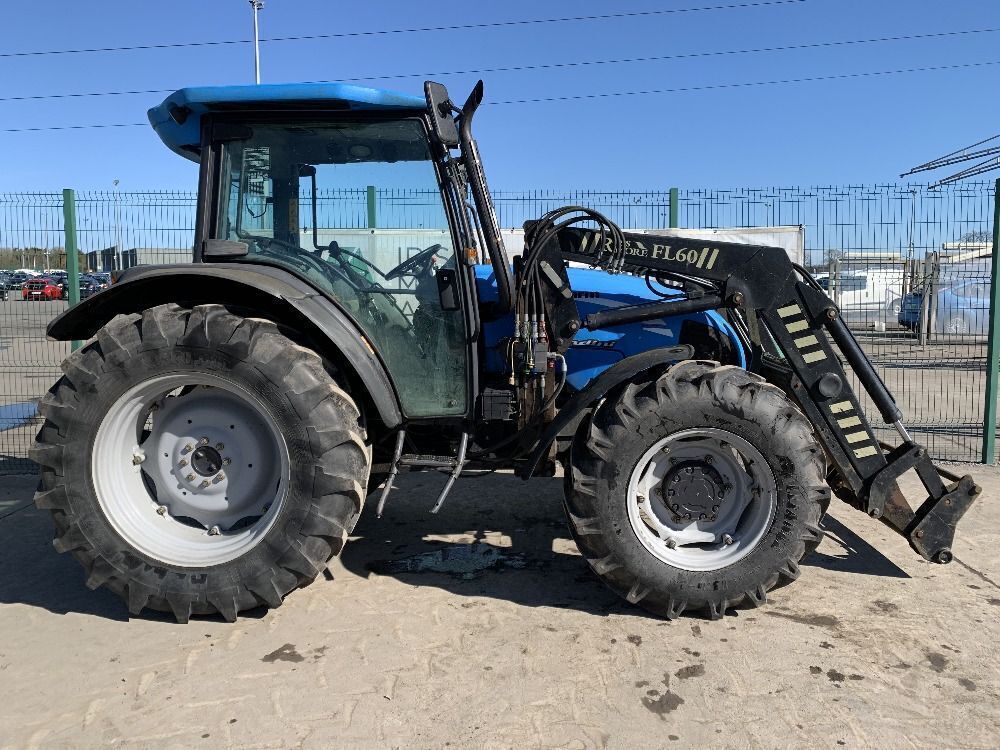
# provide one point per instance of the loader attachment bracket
(930, 529)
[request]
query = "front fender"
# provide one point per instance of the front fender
(268, 291)
(598, 388)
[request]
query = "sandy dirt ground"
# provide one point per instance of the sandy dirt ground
(484, 628)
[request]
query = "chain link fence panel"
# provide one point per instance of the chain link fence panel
(909, 267)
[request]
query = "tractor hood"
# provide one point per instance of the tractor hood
(178, 119)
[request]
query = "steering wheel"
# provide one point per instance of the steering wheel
(410, 265)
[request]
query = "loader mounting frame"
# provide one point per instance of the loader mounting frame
(780, 304)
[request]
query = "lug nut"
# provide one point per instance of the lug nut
(203, 441)
(708, 459)
(214, 531)
(220, 447)
(161, 510)
(204, 484)
(715, 509)
(671, 544)
(727, 539)
(138, 457)
(190, 477)
(675, 506)
(218, 478)
(182, 463)
(188, 448)
(701, 516)
(226, 461)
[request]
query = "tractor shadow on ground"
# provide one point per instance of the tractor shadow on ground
(36, 575)
(860, 556)
(495, 537)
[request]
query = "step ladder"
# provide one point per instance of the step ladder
(415, 460)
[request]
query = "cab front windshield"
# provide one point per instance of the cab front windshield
(355, 208)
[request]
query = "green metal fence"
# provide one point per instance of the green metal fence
(911, 268)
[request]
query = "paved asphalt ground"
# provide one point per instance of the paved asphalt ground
(483, 627)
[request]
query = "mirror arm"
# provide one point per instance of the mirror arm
(480, 194)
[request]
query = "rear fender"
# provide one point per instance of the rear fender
(266, 292)
(581, 402)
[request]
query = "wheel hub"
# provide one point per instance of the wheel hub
(206, 460)
(693, 490)
(701, 499)
(190, 468)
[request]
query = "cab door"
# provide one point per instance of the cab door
(355, 208)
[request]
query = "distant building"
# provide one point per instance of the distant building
(108, 259)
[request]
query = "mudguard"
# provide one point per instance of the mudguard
(273, 291)
(598, 388)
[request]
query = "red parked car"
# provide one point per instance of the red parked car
(41, 289)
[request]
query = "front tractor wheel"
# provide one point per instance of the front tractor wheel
(196, 461)
(699, 489)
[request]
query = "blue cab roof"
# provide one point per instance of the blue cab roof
(178, 119)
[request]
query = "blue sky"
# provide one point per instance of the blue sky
(850, 131)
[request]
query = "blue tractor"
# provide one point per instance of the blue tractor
(212, 445)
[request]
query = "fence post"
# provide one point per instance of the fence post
(674, 200)
(372, 214)
(72, 261)
(990, 406)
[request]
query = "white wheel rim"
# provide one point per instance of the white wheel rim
(726, 503)
(190, 469)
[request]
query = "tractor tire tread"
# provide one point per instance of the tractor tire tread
(600, 436)
(338, 453)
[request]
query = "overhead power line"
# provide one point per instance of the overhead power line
(556, 65)
(415, 30)
(710, 87)
(612, 94)
(76, 127)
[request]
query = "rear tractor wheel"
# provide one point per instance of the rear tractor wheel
(196, 461)
(699, 489)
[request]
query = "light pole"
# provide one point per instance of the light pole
(117, 260)
(256, 5)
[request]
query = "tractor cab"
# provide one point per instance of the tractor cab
(353, 191)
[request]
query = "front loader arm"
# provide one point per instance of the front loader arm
(776, 300)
